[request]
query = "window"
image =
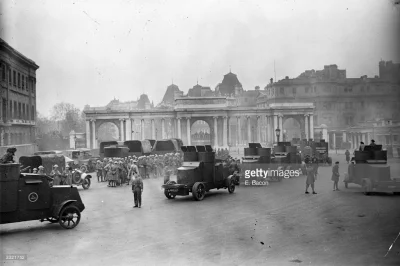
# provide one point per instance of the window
(3, 72)
(9, 76)
(23, 111)
(19, 111)
(11, 109)
(23, 82)
(349, 120)
(395, 138)
(282, 90)
(14, 78)
(33, 113)
(19, 80)
(294, 90)
(307, 90)
(15, 110)
(362, 88)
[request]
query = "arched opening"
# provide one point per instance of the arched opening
(291, 129)
(200, 133)
(107, 131)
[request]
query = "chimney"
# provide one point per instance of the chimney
(271, 80)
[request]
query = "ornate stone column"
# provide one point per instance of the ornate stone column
(122, 131)
(188, 133)
(94, 134)
(153, 130)
(225, 132)
(163, 128)
(311, 126)
(88, 136)
(306, 126)
(258, 129)
(239, 131)
(274, 128)
(248, 129)
(215, 131)
(142, 128)
(334, 140)
(344, 136)
(268, 133)
(2, 137)
(179, 128)
(128, 129)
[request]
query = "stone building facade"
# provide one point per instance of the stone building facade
(340, 102)
(17, 97)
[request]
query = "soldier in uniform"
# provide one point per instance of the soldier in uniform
(35, 171)
(137, 189)
(68, 176)
(160, 166)
(113, 174)
(99, 169)
(41, 170)
(9, 156)
(55, 173)
(150, 166)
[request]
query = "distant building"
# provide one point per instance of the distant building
(340, 102)
(17, 99)
(230, 85)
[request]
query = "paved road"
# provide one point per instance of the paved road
(273, 225)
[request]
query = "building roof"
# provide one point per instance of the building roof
(169, 95)
(6, 46)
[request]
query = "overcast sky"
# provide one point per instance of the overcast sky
(92, 51)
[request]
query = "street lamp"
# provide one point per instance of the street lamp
(278, 133)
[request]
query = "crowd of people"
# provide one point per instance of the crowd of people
(119, 171)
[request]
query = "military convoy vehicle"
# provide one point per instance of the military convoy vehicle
(138, 147)
(165, 146)
(317, 149)
(371, 171)
(79, 177)
(200, 172)
(27, 197)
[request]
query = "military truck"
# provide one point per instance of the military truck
(371, 171)
(138, 147)
(27, 197)
(199, 173)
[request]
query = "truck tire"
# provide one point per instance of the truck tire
(69, 216)
(231, 186)
(366, 187)
(198, 191)
(168, 194)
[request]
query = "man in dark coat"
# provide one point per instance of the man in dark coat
(137, 189)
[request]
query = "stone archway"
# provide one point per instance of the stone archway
(108, 131)
(201, 133)
(292, 128)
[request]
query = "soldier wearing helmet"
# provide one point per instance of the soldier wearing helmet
(56, 174)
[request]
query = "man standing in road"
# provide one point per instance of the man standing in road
(137, 189)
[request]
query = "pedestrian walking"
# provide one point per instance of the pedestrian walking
(310, 178)
(137, 189)
(347, 153)
(335, 176)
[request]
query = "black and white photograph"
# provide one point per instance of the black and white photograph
(200, 132)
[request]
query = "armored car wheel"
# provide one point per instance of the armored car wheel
(83, 168)
(366, 187)
(198, 191)
(168, 194)
(69, 216)
(231, 186)
(86, 183)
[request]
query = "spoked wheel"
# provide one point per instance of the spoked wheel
(198, 191)
(69, 217)
(231, 186)
(76, 178)
(168, 194)
(83, 168)
(52, 220)
(86, 183)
